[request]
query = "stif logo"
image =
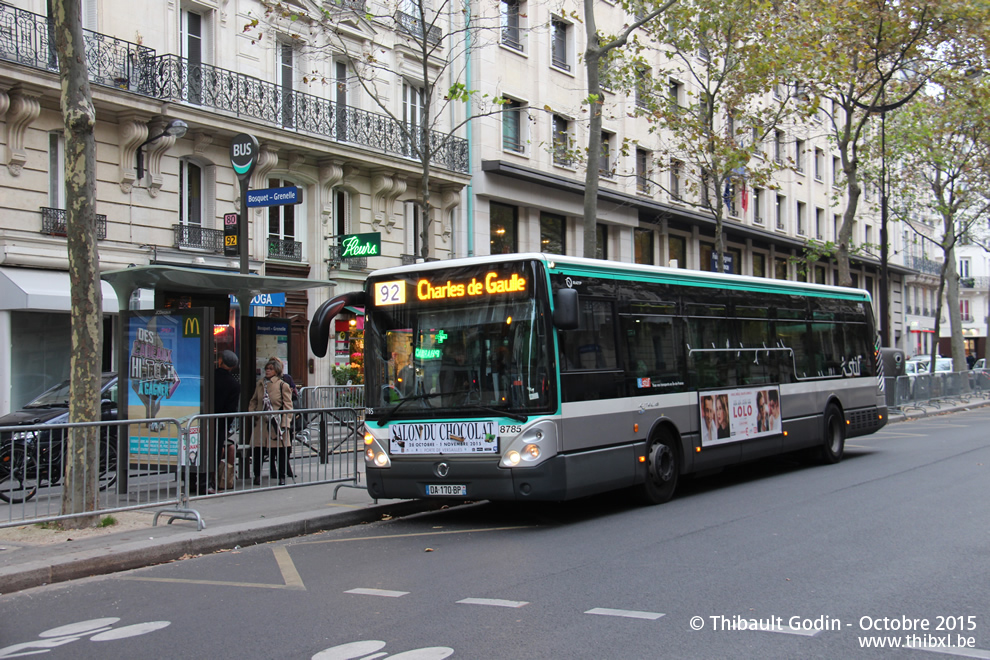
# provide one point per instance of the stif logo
(190, 327)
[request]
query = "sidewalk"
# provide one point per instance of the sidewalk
(31, 556)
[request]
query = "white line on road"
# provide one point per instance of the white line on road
(377, 592)
(495, 602)
(631, 614)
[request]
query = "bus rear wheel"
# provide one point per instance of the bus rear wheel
(662, 470)
(834, 443)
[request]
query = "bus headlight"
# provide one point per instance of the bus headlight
(534, 445)
(374, 453)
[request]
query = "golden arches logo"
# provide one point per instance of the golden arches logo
(190, 327)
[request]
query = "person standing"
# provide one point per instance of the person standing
(226, 399)
(271, 432)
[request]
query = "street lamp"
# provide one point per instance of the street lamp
(175, 128)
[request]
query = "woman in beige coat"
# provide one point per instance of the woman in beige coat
(271, 432)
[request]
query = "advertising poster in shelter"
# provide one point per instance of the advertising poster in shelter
(271, 340)
(164, 380)
(734, 415)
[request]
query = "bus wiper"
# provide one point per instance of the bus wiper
(415, 397)
(519, 417)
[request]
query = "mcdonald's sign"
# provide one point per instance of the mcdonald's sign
(191, 327)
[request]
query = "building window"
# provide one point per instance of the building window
(503, 221)
(836, 171)
(781, 201)
(780, 269)
(964, 310)
(601, 241)
(676, 251)
(868, 234)
(191, 194)
(799, 155)
(819, 165)
(512, 125)
(558, 47)
(281, 219)
(511, 36)
(56, 170)
(676, 90)
(561, 141)
(341, 212)
(819, 221)
(778, 146)
(413, 112)
(676, 174)
(605, 164)
(759, 264)
(758, 206)
(286, 76)
(553, 228)
(799, 218)
(643, 171)
(964, 267)
(642, 86)
(643, 246)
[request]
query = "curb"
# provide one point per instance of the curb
(139, 554)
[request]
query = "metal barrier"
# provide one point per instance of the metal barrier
(33, 461)
(332, 396)
(914, 392)
(171, 462)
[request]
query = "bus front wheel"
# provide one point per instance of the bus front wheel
(834, 443)
(663, 469)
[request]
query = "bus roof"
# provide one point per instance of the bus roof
(598, 267)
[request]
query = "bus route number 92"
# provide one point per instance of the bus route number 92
(390, 293)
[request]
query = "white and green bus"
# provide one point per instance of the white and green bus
(543, 377)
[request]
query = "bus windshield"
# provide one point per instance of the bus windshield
(458, 358)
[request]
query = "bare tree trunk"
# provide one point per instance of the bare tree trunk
(853, 191)
(81, 461)
(950, 275)
(592, 58)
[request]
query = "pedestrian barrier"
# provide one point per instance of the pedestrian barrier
(937, 389)
(168, 463)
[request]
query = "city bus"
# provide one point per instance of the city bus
(544, 377)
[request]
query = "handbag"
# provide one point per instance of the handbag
(225, 476)
(273, 420)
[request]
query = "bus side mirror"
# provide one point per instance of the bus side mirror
(565, 309)
(319, 326)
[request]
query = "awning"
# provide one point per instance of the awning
(43, 290)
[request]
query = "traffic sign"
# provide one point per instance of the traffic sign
(244, 150)
(230, 221)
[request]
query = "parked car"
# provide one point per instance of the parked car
(33, 458)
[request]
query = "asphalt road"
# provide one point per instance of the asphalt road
(891, 546)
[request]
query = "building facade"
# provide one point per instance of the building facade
(498, 184)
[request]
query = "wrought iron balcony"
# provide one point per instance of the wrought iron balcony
(194, 236)
(53, 223)
(414, 27)
(974, 282)
(925, 265)
(284, 249)
(353, 263)
(356, 5)
(25, 38)
(29, 39)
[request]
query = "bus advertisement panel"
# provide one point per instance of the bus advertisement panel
(734, 415)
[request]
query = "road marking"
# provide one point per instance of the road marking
(290, 576)
(417, 534)
(377, 592)
(954, 650)
(631, 614)
(494, 602)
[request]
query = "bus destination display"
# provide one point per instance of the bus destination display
(492, 284)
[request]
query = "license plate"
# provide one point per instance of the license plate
(445, 489)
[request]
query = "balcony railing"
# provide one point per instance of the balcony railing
(28, 39)
(25, 38)
(285, 249)
(414, 27)
(53, 223)
(924, 265)
(353, 263)
(974, 282)
(194, 236)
